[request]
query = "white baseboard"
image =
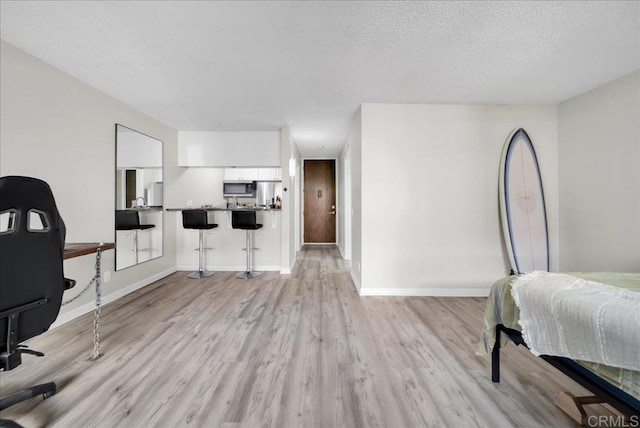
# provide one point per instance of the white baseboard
(285, 271)
(343, 253)
(355, 281)
(426, 292)
(194, 268)
(108, 298)
(320, 243)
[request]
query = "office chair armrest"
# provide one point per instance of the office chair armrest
(69, 283)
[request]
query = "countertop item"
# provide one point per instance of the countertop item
(224, 209)
(143, 209)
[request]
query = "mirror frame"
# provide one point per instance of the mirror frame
(161, 210)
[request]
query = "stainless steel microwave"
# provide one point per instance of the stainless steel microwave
(240, 189)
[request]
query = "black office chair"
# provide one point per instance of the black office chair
(246, 220)
(198, 220)
(130, 220)
(31, 273)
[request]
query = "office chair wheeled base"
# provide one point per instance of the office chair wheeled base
(200, 274)
(248, 275)
(46, 389)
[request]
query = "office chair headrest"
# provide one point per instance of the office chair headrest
(25, 196)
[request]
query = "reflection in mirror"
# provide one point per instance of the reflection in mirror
(139, 197)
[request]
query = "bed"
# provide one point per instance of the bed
(620, 387)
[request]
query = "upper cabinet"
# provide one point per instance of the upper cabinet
(270, 174)
(250, 174)
(233, 174)
(225, 149)
(253, 174)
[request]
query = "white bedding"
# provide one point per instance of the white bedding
(566, 316)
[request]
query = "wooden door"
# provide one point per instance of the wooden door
(319, 201)
(130, 187)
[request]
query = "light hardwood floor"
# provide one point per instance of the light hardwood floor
(283, 351)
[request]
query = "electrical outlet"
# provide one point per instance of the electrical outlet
(189, 203)
(106, 276)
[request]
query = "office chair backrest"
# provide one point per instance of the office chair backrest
(31, 254)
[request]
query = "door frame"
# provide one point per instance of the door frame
(302, 193)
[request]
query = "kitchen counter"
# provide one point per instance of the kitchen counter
(144, 209)
(224, 209)
(226, 242)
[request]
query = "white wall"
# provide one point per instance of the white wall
(354, 141)
(343, 164)
(599, 157)
(61, 130)
(341, 190)
(201, 186)
(430, 219)
(290, 200)
(297, 196)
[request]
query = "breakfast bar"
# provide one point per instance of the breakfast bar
(224, 245)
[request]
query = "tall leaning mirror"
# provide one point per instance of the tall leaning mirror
(139, 196)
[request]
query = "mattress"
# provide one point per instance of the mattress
(501, 309)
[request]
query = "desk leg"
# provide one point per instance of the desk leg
(96, 319)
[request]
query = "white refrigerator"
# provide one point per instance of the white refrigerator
(154, 194)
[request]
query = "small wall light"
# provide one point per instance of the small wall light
(292, 167)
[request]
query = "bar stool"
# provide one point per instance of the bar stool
(130, 220)
(246, 220)
(197, 219)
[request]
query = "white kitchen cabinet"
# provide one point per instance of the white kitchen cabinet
(232, 174)
(270, 174)
(265, 173)
(251, 174)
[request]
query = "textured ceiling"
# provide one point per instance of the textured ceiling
(228, 66)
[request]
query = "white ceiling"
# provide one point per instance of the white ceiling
(243, 66)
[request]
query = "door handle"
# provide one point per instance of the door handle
(332, 212)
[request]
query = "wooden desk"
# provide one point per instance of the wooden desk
(77, 249)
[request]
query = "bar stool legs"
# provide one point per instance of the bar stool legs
(135, 246)
(248, 273)
(201, 273)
